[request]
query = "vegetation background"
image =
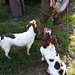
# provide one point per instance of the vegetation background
(22, 64)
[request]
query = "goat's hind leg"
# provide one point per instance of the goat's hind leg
(7, 52)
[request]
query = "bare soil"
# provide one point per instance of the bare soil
(39, 70)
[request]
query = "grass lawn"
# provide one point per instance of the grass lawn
(20, 62)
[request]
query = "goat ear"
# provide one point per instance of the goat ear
(27, 27)
(54, 41)
(41, 43)
(35, 24)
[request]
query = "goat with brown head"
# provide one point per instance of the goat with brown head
(48, 38)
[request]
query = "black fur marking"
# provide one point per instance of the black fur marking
(56, 54)
(44, 46)
(51, 60)
(57, 65)
(61, 72)
(2, 37)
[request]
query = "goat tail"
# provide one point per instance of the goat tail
(0, 41)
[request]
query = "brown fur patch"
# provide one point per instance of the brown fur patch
(9, 36)
(54, 41)
(61, 63)
(48, 38)
(43, 43)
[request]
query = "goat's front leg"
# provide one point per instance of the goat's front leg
(43, 58)
(28, 48)
(48, 71)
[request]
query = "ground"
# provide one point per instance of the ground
(39, 70)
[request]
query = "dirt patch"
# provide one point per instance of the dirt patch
(39, 70)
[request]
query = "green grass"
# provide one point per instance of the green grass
(20, 61)
(71, 68)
